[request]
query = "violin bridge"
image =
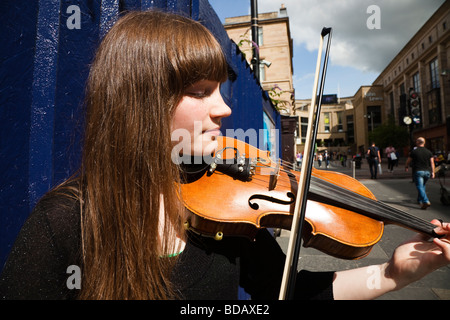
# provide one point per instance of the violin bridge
(274, 177)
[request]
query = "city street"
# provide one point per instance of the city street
(397, 190)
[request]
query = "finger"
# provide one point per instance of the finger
(444, 245)
(442, 227)
(445, 251)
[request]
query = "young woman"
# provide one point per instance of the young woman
(115, 231)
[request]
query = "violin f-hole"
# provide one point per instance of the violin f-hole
(255, 206)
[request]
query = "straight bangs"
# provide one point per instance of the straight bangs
(199, 58)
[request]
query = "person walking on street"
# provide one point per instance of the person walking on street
(326, 157)
(422, 163)
(374, 158)
(299, 160)
(391, 157)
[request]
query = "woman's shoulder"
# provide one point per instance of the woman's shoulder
(61, 202)
(59, 211)
(47, 244)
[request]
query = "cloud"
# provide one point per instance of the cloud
(353, 43)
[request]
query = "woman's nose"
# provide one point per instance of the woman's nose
(219, 108)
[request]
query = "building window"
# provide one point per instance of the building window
(434, 107)
(391, 101)
(340, 127)
(326, 121)
(303, 128)
(373, 117)
(416, 82)
(434, 74)
(262, 72)
(350, 129)
(260, 36)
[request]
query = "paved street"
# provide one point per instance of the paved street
(397, 190)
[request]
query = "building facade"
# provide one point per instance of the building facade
(423, 65)
(275, 53)
(336, 130)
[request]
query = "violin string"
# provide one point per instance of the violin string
(332, 192)
(389, 211)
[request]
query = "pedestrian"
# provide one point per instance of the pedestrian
(326, 157)
(320, 159)
(374, 158)
(391, 157)
(422, 163)
(299, 157)
(121, 219)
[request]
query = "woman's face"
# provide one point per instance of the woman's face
(197, 119)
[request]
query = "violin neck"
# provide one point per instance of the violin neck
(331, 194)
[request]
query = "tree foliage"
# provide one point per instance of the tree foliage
(390, 134)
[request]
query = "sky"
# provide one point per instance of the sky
(367, 35)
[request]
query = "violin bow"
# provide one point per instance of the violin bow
(290, 268)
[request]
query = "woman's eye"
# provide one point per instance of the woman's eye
(198, 93)
(202, 89)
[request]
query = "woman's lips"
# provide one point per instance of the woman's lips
(213, 132)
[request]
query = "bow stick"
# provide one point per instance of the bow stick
(290, 268)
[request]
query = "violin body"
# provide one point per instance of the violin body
(222, 205)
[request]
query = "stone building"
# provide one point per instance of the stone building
(423, 65)
(275, 52)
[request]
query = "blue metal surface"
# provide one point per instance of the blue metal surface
(17, 38)
(43, 99)
(44, 62)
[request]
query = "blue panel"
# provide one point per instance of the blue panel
(75, 52)
(131, 5)
(17, 38)
(43, 100)
(151, 4)
(108, 16)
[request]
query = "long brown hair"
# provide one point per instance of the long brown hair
(139, 75)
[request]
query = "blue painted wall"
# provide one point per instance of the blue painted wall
(43, 67)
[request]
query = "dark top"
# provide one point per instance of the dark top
(421, 159)
(49, 243)
(373, 152)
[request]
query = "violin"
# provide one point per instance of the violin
(243, 190)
